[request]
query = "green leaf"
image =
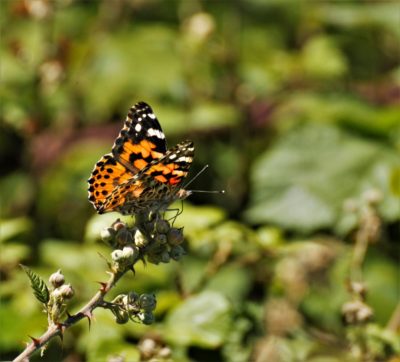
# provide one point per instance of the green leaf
(232, 281)
(303, 181)
(322, 59)
(14, 227)
(203, 320)
(39, 287)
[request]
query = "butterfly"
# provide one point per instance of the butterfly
(140, 175)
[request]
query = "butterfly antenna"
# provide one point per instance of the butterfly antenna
(197, 175)
(209, 192)
(202, 191)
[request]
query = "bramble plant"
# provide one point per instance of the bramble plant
(151, 239)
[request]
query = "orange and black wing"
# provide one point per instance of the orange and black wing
(156, 183)
(140, 142)
(173, 168)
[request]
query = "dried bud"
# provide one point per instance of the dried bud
(175, 236)
(57, 279)
(356, 312)
(147, 302)
(162, 226)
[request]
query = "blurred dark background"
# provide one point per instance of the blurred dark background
(295, 107)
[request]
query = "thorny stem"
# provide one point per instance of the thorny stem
(58, 329)
(86, 311)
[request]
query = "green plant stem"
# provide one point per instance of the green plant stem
(58, 329)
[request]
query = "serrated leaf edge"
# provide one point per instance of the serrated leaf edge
(39, 287)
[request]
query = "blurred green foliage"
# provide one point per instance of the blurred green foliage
(294, 105)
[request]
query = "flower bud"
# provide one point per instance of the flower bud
(118, 225)
(124, 237)
(162, 226)
(177, 252)
(161, 239)
(154, 258)
(175, 236)
(132, 297)
(66, 291)
(107, 235)
(57, 279)
(146, 317)
(129, 253)
(140, 240)
(117, 255)
(121, 316)
(148, 302)
(165, 257)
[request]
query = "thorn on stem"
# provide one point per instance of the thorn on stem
(103, 287)
(88, 314)
(35, 341)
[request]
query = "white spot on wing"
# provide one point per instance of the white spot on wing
(138, 127)
(152, 116)
(155, 132)
(184, 159)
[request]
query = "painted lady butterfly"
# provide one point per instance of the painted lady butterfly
(140, 175)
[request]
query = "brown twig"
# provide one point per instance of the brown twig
(58, 329)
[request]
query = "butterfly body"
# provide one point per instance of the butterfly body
(140, 174)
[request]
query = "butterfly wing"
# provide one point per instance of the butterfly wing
(155, 185)
(173, 168)
(140, 142)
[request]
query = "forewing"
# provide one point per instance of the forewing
(141, 140)
(106, 175)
